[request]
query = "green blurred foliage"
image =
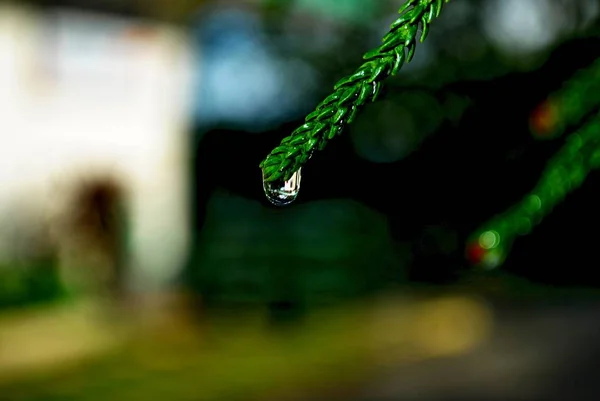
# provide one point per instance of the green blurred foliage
(33, 282)
(248, 254)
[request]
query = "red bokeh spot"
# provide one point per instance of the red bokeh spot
(544, 118)
(475, 253)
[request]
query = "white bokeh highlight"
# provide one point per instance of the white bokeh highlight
(522, 26)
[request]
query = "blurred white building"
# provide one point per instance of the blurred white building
(85, 95)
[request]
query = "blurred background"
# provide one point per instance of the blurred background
(140, 259)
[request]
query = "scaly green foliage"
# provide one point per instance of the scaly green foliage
(353, 92)
(564, 109)
(565, 172)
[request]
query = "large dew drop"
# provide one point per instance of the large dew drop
(281, 193)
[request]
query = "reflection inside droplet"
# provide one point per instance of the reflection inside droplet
(280, 192)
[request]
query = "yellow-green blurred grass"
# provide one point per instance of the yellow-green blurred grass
(168, 354)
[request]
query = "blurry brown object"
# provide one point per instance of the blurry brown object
(89, 233)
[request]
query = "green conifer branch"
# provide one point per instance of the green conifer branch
(353, 92)
(576, 99)
(565, 172)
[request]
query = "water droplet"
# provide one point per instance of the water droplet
(375, 89)
(280, 192)
(533, 203)
(489, 239)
